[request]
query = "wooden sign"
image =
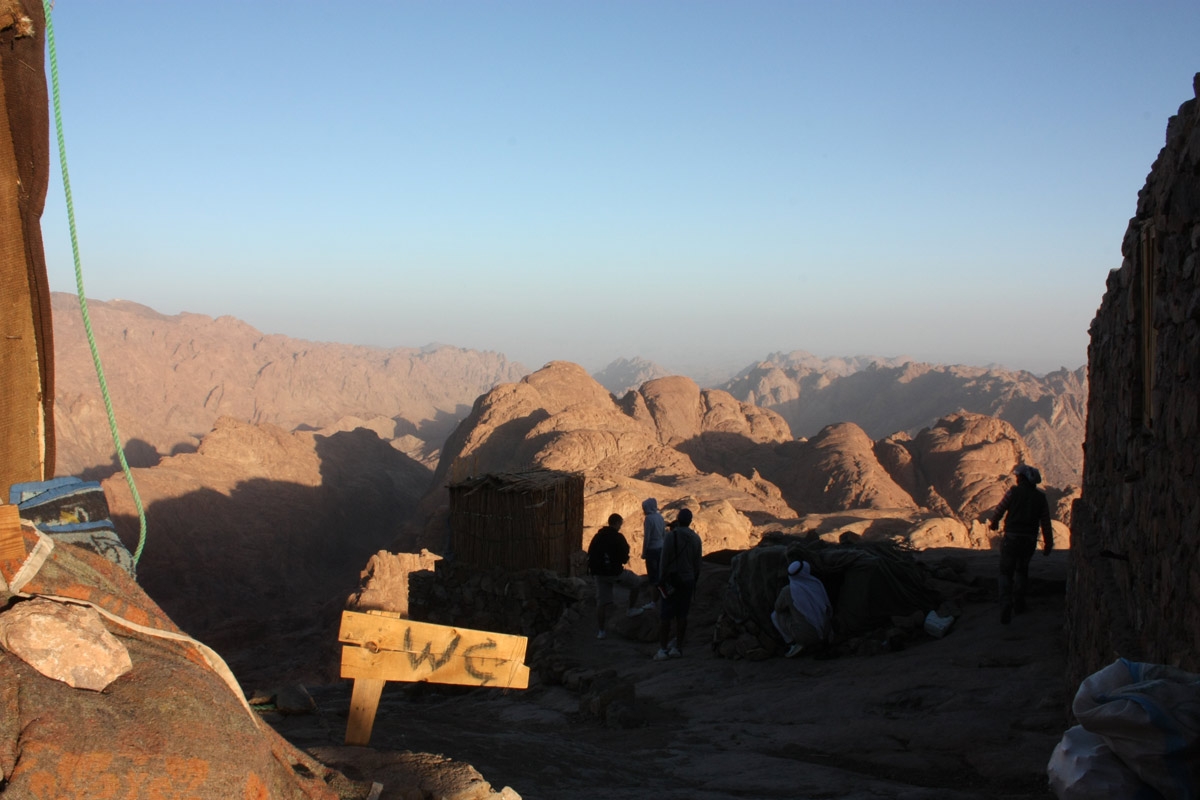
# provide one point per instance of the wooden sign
(381, 648)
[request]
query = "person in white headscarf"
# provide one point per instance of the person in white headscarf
(802, 612)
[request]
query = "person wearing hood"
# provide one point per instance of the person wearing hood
(653, 530)
(1024, 509)
(802, 612)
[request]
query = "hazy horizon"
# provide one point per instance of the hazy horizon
(697, 184)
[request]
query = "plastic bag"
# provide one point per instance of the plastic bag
(1149, 716)
(1083, 767)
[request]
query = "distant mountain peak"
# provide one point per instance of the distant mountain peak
(624, 374)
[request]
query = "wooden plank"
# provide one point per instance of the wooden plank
(364, 702)
(12, 543)
(426, 642)
(464, 668)
(382, 647)
(22, 426)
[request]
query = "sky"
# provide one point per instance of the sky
(695, 183)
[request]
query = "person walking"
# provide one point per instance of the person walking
(653, 530)
(1024, 509)
(607, 554)
(677, 582)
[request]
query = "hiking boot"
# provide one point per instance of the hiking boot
(1006, 614)
(674, 653)
(633, 612)
(662, 655)
(649, 606)
(601, 634)
(794, 650)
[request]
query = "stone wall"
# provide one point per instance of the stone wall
(526, 603)
(1135, 555)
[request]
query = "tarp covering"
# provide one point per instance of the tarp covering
(175, 726)
(867, 583)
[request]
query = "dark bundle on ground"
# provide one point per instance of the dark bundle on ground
(868, 584)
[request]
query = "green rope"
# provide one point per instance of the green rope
(83, 307)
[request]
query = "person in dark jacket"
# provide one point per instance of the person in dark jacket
(607, 554)
(678, 574)
(1024, 510)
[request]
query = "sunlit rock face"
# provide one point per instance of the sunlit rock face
(885, 396)
(735, 465)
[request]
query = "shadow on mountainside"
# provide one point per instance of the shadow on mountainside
(138, 454)
(261, 572)
(728, 453)
(438, 429)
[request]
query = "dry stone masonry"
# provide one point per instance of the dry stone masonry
(1135, 557)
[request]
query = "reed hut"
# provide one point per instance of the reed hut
(518, 520)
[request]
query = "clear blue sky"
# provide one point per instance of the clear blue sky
(691, 182)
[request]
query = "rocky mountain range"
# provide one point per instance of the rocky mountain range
(258, 457)
(888, 395)
(172, 377)
(885, 396)
(627, 374)
(735, 464)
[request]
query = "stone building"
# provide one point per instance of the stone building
(1134, 582)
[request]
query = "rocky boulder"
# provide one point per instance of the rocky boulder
(968, 459)
(835, 470)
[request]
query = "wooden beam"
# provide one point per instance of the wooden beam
(22, 427)
(364, 702)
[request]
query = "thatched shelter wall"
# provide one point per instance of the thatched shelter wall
(518, 521)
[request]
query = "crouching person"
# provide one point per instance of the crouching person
(802, 612)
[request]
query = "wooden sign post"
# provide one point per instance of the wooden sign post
(381, 648)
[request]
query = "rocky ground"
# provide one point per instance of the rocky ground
(975, 714)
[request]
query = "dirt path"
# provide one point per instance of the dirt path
(973, 715)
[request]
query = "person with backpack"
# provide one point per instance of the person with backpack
(1024, 509)
(608, 553)
(680, 571)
